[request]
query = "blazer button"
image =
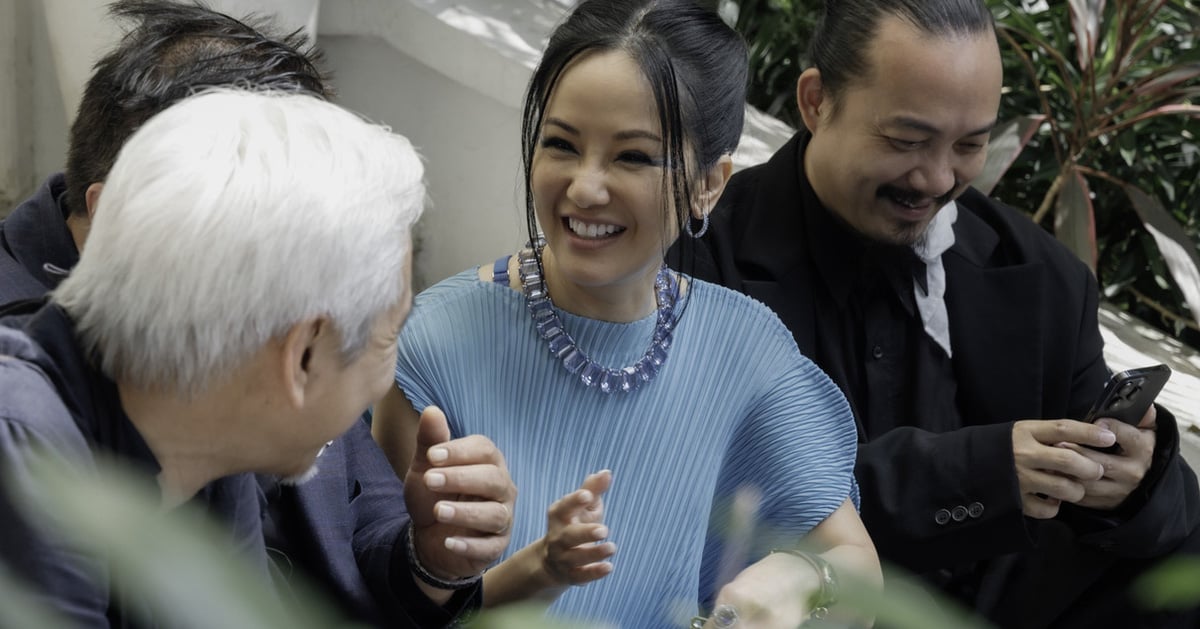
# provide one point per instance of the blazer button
(942, 516)
(959, 514)
(877, 352)
(975, 509)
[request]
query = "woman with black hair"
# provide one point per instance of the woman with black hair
(584, 352)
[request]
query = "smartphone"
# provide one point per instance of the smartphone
(1128, 395)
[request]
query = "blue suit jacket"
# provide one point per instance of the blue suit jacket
(343, 530)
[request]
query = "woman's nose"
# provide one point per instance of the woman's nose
(588, 188)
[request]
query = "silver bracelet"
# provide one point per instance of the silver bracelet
(827, 595)
(424, 574)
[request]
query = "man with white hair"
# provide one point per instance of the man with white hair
(235, 309)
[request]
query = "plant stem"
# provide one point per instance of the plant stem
(1051, 195)
(1162, 310)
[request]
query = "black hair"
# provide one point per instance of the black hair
(847, 27)
(696, 66)
(171, 51)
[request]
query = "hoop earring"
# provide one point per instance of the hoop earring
(687, 227)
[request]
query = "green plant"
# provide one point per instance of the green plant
(1114, 85)
(777, 34)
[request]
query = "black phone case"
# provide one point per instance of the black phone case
(1128, 394)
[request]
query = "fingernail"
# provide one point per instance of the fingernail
(1108, 437)
(456, 545)
(443, 512)
(600, 533)
(434, 480)
(437, 455)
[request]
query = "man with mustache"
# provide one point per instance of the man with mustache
(964, 336)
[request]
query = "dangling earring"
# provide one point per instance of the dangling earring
(687, 227)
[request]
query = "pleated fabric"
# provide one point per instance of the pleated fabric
(735, 407)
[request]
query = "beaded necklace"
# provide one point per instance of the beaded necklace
(575, 360)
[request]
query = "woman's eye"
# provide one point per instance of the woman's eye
(557, 144)
(639, 158)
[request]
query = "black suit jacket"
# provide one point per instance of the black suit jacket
(1026, 343)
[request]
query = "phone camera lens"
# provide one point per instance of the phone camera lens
(1130, 389)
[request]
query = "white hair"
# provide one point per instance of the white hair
(232, 216)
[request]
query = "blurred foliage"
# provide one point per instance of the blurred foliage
(178, 561)
(181, 565)
(1145, 57)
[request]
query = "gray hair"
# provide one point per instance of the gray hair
(232, 216)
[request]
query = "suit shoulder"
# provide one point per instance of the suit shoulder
(1020, 239)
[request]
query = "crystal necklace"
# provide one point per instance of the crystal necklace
(575, 360)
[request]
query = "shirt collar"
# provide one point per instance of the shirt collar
(89, 395)
(37, 233)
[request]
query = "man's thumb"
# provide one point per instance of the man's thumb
(432, 430)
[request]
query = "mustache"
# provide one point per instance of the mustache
(912, 196)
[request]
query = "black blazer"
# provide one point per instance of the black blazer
(1027, 345)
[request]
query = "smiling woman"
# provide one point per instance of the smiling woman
(575, 355)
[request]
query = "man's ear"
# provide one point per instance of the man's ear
(297, 351)
(810, 98)
(714, 184)
(92, 198)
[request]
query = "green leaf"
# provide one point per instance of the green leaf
(1074, 220)
(1006, 143)
(906, 604)
(1176, 247)
(1085, 22)
(1173, 584)
(20, 607)
(117, 514)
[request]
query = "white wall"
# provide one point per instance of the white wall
(470, 143)
(16, 140)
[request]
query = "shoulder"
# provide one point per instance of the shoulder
(999, 235)
(31, 409)
(455, 310)
(742, 327)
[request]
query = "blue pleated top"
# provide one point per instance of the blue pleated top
(734, 406)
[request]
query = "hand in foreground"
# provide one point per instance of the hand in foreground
(1048, 474)
(460, 499)
(1124, 469)
(572, 551)
(765, 595)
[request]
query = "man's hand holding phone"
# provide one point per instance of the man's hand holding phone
(1051, 469)
(1124, 468)
(1126, 407)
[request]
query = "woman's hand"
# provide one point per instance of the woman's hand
(570, 553)
(775, 592)
(572, 550)
(772, 593)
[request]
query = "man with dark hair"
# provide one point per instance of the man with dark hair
(172, 51)
(339, 528)
(963, 335)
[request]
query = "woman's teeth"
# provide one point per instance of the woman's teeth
(590, 230)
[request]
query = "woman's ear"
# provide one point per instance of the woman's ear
(810, 98)
(713, 185)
